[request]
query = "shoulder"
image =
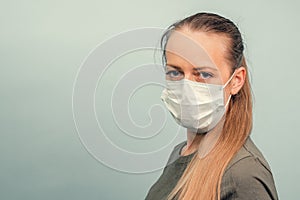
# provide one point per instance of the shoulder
(175, 154)
(248, 175)
(248, 153)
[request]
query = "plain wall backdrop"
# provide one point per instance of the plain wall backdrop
(43, 44)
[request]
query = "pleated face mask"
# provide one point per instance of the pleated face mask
(195, 105)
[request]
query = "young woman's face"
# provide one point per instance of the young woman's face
(197, 56)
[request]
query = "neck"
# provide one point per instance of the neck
(193, 141)
(204, 143)
(192, 138)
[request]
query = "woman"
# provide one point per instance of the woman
(208, 92)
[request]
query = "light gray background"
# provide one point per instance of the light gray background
(42, 46)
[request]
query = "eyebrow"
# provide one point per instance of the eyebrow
(195, 68)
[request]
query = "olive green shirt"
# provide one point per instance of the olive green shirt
(247, 176)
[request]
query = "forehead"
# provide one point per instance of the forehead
(198, 48)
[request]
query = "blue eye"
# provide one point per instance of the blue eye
(174, 74)
(205, 75)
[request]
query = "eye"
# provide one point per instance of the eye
(205, 75)
(174, 75)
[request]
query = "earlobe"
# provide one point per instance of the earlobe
(238, 80)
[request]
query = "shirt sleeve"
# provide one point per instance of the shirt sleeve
(248, 179)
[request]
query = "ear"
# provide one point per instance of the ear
(238, 80)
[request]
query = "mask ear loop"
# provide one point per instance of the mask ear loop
(226, 85)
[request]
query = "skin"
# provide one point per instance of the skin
(202, 57)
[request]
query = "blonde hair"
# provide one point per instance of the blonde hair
(202, 177)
